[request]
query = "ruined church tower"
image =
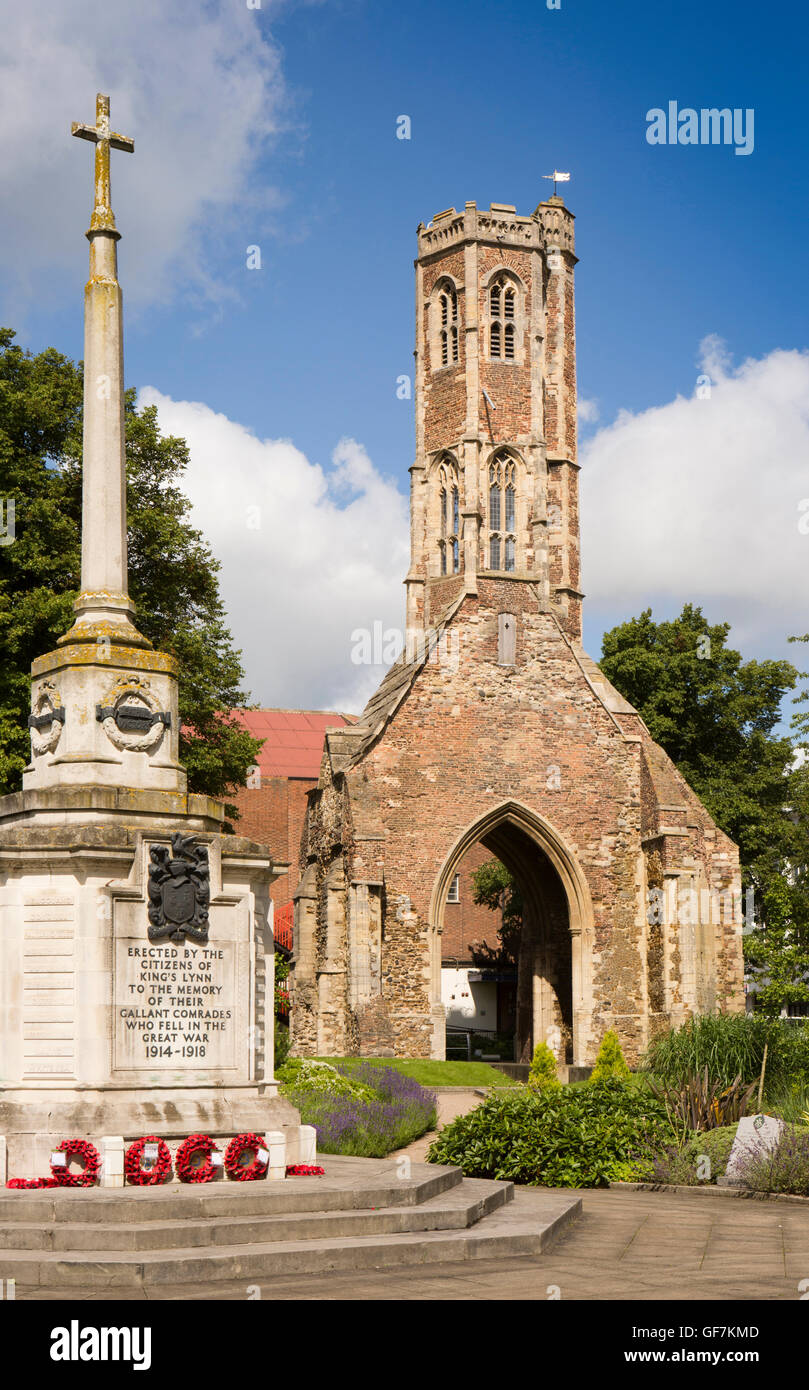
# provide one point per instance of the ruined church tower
(495, 482)
(495, 728)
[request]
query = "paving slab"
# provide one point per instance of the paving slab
(594, 1259)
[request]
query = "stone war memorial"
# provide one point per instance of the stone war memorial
(495, 727)
(136, 950)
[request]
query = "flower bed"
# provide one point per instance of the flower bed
(368, 1112)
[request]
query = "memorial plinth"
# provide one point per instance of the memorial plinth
(136, 949)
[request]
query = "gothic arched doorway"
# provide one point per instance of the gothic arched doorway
(553, 949)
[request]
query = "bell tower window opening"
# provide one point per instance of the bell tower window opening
(503, 301)
(449, 517)
(502, 513)
(447, 305)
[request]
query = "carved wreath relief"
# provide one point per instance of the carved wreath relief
(47, 718)
(179, 890)
(131, 715)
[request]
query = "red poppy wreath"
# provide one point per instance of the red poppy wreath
(236, 1168)
(76, 1148)
(147, 1177)
(28, 1184)
(186, 1170)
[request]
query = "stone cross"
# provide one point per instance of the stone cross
(103, 608)
(104, 139)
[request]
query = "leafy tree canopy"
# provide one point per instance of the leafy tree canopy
(494, 887)
(716, 716)
(173, 576)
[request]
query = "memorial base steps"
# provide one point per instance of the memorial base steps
(359, 1216)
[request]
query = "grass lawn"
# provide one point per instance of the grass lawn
(432, 1073)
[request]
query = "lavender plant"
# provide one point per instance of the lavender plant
(400, 1111)
(784, 1168)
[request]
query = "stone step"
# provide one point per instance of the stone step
(459, 1208)
(506, 1232)
(347, 1186)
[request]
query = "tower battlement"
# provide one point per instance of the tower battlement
(549, 225)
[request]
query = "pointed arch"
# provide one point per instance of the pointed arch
(504, 301)
(445, 500)
(443, 311)
(505, 488)
(509, 830)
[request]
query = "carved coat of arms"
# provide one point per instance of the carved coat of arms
(179, 890)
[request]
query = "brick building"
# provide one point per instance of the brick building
(495, 728)
(272, 810)
(272, 807)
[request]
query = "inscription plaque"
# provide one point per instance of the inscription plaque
(175, 1006)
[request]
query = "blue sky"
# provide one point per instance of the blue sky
(677, 244)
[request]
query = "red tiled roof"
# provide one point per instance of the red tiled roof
(293, 738)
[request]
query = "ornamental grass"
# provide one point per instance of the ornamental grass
(732, 1045)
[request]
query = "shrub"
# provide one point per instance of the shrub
(687, 1166)
(732, 1045)
(699, 1103)
(558, 1137)
(383, 1111)
(542, 1072)
(610, 1061)
(782, 1169)
(790, 1101)
(301, 1074)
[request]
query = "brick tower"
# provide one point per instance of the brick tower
(495, 728)
(495, 482)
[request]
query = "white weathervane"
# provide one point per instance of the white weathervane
(557, 178)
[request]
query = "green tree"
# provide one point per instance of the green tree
(610, 1063)
(716, 716)
(494, 887)
(542, 1072)
(173, 577)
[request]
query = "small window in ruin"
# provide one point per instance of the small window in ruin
(454, 890)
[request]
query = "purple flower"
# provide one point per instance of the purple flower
(402, 1111)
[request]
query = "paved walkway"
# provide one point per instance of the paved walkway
(627, 1245)
(449, 1105)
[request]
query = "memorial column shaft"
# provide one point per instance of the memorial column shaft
(104, 551)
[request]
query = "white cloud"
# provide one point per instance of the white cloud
(308, 553)
(588, 411)
(699, 500)
(198, 87)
